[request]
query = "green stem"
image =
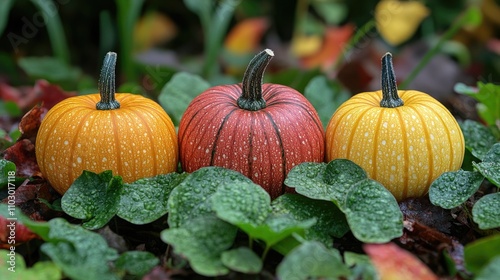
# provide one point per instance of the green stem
(54, 29)
(464, 20)
(251, 95)
(128, 12)
(107, 84)
(390, 97)
(264, 254)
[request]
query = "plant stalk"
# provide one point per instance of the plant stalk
(107, 84)
(251, 94)
(390, 97)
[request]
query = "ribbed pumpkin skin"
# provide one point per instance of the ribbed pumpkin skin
(404, 148)
(135, 141)
(263, 145)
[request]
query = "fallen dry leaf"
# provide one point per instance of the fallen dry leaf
(22, 154)
(30, 122)
(394, 263)
(334, 42)
(42, 92)
(19, 232)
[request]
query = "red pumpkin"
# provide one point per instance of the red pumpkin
(260, 130)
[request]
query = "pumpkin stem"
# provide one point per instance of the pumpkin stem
(251, 96)
(107, 84)
(390, 97)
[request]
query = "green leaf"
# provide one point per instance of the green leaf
(453, 188)
(192, 197)
(241, 202)
(308, 179)
(176, 95)
(486, 211)
(373, 213)
(7, 172)
(49, 68)
(243, 260)
(40, 228)
(145, 200)
(488, 96)
(493, 155)
(9, 108)
(490, 271)
(5, 7)
(333, 12)
(80, 253)
(479, 253)
(478, 138)
(201, 241)
(325, 97)
(361, 266)
(490, 170)
(127, 14)
(93, 198)
(41, 270)
(330, 221)
(137, 263)
(312, 260)
(342, 174)
(276, 228)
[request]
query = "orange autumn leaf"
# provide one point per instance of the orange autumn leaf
(245, 36)
(335, 39)
(394, 263)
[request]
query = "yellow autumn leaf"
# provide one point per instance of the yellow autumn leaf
(304, 45)
(397, 21)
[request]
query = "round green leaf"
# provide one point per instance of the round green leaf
(342, 174)
(486, 211)
(307, 179)
(493, 155)
(93, 198)
(453, 188)
(373, 213)
(490, 271)
(324, 96)
(145, 200)
(192, 197)
(490, 170)
(330, 221)
(312, 260)
(478, 138)
(243, 260)
(137, 263)
(201, 241)
(41, 270)
(176, 95)
(80, 253)
(276, 228)
(481, 252)
(241, 202)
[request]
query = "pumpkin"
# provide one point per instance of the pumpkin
(259, 130)
(126, 133)
(403, 139)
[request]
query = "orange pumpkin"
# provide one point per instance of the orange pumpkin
(126, 133)
(403, 139)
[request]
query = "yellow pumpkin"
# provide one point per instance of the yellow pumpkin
(403, 139)
(126, 133)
